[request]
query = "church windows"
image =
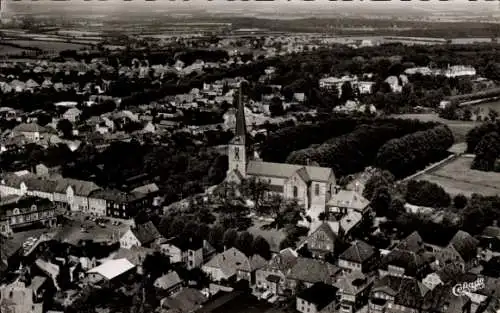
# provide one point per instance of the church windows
(316, 189)
(295, 192)
(237, 154)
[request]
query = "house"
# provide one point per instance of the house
(16, 212)
(490, 238)
(168, 283)
(323, 239)
(310, 186)
(310, 271)
(72, 115)
(319, 297)
(141, 235)
(395, 83)
(462, 250)
(18, 298)
(407, 259)
(345, 201)
(233, 262)
(353, 291)
(185, 301)
(120, 204)
(110, 270)
(360, 257)
(272, 277)
(31, 131)
(448, 275)
(188, 251)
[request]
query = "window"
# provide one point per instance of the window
(295, 192)
(237, 154)
(316, 190)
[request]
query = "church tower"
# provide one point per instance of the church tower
(237, 147)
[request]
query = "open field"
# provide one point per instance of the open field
(494, 105)
(47, 45)
(459, 128)
(8, 50)
(273, 236)
(457, 177)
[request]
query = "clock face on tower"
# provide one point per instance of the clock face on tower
(237, 154)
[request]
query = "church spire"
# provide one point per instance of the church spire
(241, 126)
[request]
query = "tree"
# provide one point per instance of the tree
(493, 115)
(427, 194)
(460, 201)
(216, 236)
(244, 243)
(43, 119)
(255, 189)
(230, 237)
(396, 208)
(64, 277)
(487, 152)
(381, 178)
(381, 200)
(261, 247)
(156, 264)
(347, 91)
(276, 107)
(65, 127)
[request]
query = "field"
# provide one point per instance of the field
(47, 45)
(459, 128)
(457, 177)
(8, 50)
(494, 105)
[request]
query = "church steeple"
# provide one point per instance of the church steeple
(241, 125)
(237, 147)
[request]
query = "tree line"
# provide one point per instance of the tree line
(484, 142)
(412, 152)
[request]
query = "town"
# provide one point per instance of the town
(241, 171)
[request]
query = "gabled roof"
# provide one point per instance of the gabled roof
(283, 261)
(331, 229)
(232, 260)
(313, 271)
(465, 245)
(146, 233)
(353, 283)
(168, 280)
(491, 232)
(348, 199)
(283, 170)
(319, 294)
(413, 243)
(185, 244)
(358, 252)
(410, 261)
(185, 301)
(29, 128)
(112, 268)
(146, 189)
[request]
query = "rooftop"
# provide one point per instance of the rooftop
(112, 268)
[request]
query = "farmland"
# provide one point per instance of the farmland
(56, 46)
(456, 177)
(9, 50)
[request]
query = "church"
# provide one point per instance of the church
(311, 186)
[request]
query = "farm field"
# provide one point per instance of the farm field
(456, 177)
(459, 128)
(493, 105)
(8, 50)
(47, 45)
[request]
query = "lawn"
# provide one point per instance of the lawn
(273, 236)
(457, 177)
(494, 105)
(459, 128)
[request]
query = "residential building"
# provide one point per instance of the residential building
(319, 297)
(353, 291)
(168, 283)
(462, 250)
(323, 239)
(233, 263)
(272, 277)
(72, 115)
(32, 131)
(310, 186)
(141, 235)
(459, 71)
(120, 204)
(16, 211)
(359, 257)
(310, 271)
(18, 298)
(188, 251)
(185, 301)
(345, 201)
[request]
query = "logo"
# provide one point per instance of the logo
(463, 289)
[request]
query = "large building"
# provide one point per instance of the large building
(311, 186)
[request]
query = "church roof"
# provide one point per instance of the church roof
(283, 170)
